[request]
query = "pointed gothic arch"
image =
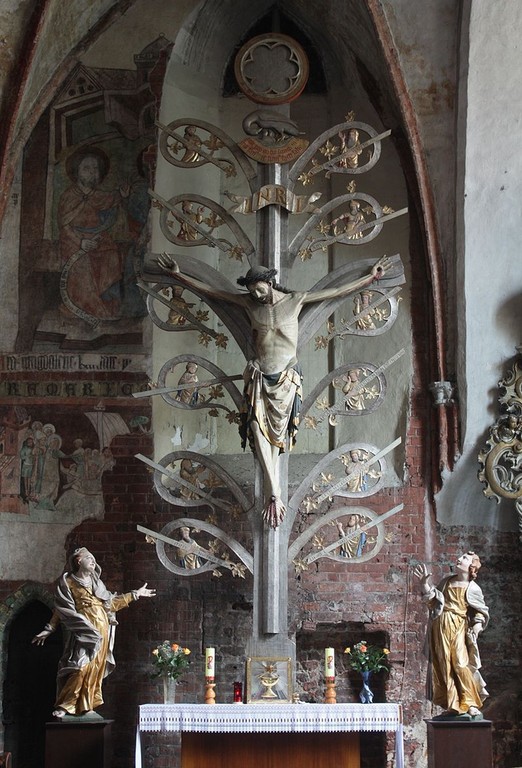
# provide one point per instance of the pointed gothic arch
(356, 39)
(26, 697)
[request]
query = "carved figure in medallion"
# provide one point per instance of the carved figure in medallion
(358, 474)
(188, 556)
(186, 231)
(354, 547)
(350, 148)
(188, 395)
(190, 471)
(348, 224)
(354, 395)
(191, 154)
(367, 322)
(178, 302)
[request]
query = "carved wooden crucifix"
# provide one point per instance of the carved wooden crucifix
(271, 325)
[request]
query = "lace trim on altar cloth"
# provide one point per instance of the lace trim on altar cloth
(271, 718)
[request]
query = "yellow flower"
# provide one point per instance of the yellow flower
(174, 646)
(186, 651)
(155, 652)
(386, 651)
(347, 650)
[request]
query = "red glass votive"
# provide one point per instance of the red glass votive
(238, 693)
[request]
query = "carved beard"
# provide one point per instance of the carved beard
(268, 298)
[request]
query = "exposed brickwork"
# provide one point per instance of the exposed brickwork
(331, 603)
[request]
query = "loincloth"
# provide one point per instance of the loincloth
(274, 401)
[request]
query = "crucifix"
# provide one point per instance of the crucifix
(270, 322)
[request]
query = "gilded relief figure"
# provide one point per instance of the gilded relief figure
(188, 395)
(354, 395)
(349, 224)
(350, 145)
(191, 154)
(272, 391)
(177, 302)
(367, 323)
(86, 610)
(186, 231)
(355, 546)
(188, 551)
(458, 614)
(358, 473)
(190, 472)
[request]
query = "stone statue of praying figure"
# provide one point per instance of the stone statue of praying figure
(272, 393)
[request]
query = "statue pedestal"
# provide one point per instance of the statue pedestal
(460, 744)
(78, 745)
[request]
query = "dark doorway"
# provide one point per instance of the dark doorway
(29, 686)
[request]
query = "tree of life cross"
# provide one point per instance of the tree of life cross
(270, 325)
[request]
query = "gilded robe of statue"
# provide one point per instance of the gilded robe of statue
(455, 681)
(86, 612)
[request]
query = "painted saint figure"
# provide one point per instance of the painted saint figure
(93, 227)
(86, 609)
(458, 614)
(272, 391)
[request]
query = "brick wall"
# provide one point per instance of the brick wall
(330, 604)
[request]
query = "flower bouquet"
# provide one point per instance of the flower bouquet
(169, 660)
(367, 659)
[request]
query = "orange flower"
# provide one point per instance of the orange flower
(174, 646)
(363, 648)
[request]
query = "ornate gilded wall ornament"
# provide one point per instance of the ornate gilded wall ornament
(501, 461)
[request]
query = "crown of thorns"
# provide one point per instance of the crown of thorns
(257, 275)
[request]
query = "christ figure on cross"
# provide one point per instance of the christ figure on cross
(272, 393)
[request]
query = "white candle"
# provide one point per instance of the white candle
(210, 662)
(329, 662)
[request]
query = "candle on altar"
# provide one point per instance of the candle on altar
(210, 662)
(329, 662)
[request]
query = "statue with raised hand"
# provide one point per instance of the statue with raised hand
(86, 610)
(458, 614)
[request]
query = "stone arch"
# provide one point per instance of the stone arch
(9, 610)
(359, 39)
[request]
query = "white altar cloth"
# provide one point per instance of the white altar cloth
(272, 718)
